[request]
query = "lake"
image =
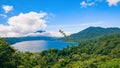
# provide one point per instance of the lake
(40, 45)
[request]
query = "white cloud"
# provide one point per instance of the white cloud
(113, 2)
(49, 34)
(3, 15)
(85, 4)
(69, 28)
(58, 34)
(7, 8)
(23, 24)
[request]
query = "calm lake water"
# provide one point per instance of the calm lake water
(39, 45)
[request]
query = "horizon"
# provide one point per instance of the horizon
(67, 35)
(25, 18)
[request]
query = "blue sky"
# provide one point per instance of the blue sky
(69, 15)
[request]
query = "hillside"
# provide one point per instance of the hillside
(94, 32)
(103, 52)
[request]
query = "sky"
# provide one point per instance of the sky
(27, 17)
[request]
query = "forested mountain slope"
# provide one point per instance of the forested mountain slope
(103, 52)
(93, 32)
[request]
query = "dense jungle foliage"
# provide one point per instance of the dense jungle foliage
(103, 52)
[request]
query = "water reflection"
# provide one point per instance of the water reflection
(40, 45)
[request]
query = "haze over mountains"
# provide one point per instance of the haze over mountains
(88, 33)
(13, 40)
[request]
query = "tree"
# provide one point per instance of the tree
(6, 55)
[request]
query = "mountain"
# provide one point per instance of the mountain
(98, 53)
(94, 32)
(13, 40)
(102, 52)
(88, 33)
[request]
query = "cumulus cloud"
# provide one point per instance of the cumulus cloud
(113, 2)
(49, 34)
(7, 8)
(23, 24)
(86, 4)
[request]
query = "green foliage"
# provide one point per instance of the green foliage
(6, 55)
(113, 63)
(101, 52)
(94, 32)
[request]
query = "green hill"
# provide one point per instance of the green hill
(93, 32)
(102, 52)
